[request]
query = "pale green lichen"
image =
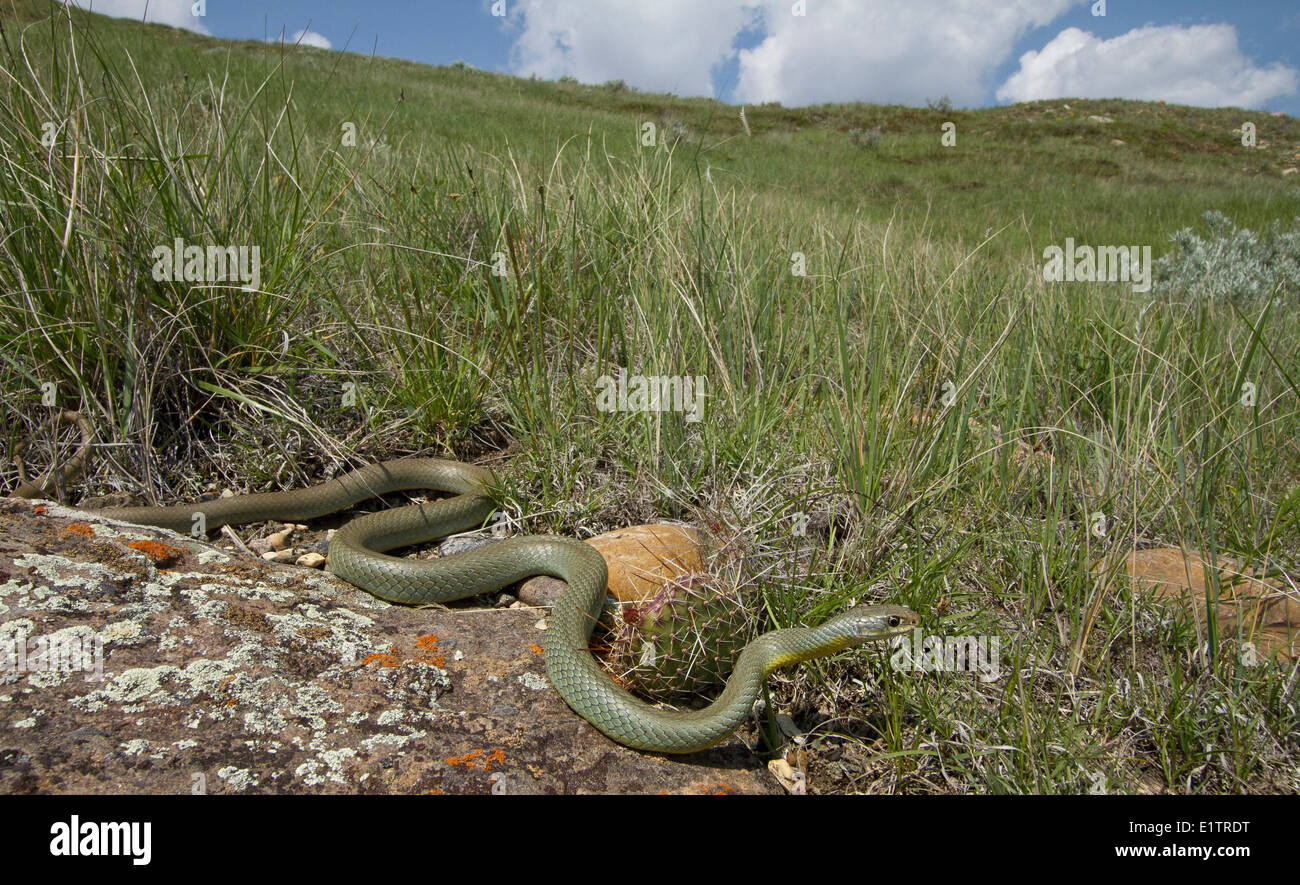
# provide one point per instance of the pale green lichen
(248, 590)
(17, 629)
(533, 681)
(124, 633)
(332, 587)
(391, 717)
(333, 762)
(239, 779)
(54, 568)
(131, 686)
(386, 742)
(72, 650)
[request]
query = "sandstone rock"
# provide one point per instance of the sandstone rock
(280, 540)
(641, 559)
(1264, 611)
(189, 669)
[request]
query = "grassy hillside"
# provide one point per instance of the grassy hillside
(468, 253)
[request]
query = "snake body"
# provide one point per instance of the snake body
(355, 555)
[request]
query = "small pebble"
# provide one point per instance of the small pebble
(279, 555)
(280, 540)
(794, 780)
(311, 560)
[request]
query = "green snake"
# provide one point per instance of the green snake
(354, 556)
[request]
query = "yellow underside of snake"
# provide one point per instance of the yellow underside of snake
(356, 555)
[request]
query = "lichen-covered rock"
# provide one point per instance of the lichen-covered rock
(138, 660)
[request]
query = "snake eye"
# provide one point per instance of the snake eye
(895, 620)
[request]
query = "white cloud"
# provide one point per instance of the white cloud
(177, 13)
(889, 51)
(840, 50)
(657, 45)
(1199, 65)
(311, 38)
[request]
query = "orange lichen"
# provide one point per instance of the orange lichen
(537, 649)
(159, 553)
(80, 528)
(470, 759)
(428, 643)
(225, 689)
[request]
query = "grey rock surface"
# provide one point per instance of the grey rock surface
(137, 660)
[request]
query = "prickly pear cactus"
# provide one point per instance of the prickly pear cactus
(683, 640)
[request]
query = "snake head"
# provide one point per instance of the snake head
(870, 622)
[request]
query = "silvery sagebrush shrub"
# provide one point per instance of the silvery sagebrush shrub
(942, 105)
(865, 138)
(1231, 262)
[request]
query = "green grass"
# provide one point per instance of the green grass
(825, 391)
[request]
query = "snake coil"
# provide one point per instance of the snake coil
(356, 555)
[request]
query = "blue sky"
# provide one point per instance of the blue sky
(979, 52)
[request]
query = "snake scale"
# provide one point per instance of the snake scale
(355, 554)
